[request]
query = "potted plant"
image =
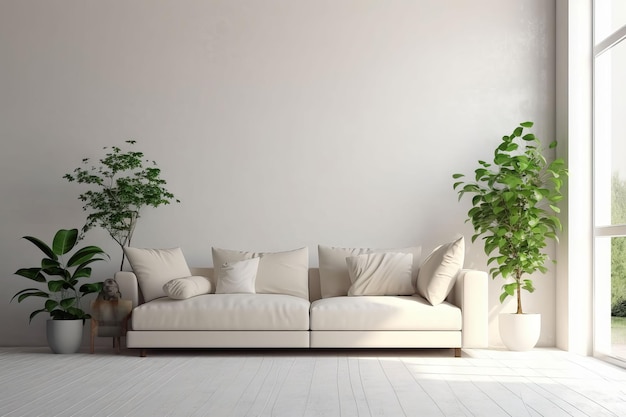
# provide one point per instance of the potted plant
(61, 273)
(513, 209)
(121, 187)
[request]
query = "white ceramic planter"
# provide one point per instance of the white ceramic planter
(64, 336)
(519, 332)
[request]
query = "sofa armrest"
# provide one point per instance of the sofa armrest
(127, 281)
(470, 293)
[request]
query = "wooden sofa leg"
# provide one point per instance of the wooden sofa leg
(457, 352)
(142, 353)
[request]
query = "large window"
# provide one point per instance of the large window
(610, 177)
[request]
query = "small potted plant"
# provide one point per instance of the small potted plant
(513, 210)
(60, 273)
(120, 187)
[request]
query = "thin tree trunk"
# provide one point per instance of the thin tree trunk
(519, 293)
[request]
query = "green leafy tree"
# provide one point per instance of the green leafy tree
(121, 187)
(61, 273)
(618, 247)
(513, 209)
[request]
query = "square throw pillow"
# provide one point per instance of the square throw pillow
(279, 272)
(183, 288)
(334, 276)
(237, 277)
(438, 272)
(381, 274)
(155, 267)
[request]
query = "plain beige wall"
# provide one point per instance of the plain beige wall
(279, 124)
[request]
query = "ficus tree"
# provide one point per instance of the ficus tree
(122, 184)
(514, 206)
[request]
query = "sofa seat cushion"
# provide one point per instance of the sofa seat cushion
(224, 312)
(383, 313)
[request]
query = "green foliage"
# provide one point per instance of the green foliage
(121, 187)
(61, 277)
(513, 208)
(618, 309)
(618, 244)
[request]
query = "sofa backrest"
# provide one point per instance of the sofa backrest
(314, 280)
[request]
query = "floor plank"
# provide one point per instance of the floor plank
(302, 383)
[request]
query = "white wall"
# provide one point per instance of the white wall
(278, 124)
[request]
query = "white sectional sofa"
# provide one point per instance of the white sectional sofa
(294, 306)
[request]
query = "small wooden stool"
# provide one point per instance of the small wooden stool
(109, 318)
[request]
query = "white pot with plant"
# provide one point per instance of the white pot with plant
(514, 211)
(61, 273)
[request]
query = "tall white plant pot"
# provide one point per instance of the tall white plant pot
(519, 332)
(64, 336)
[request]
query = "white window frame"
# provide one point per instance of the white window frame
(602, 172)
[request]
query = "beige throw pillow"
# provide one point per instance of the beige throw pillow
(183, 288)
(438, 272)
(155, 267)
(381, 274)
(237, 277)
(334, 276)
(278, 273)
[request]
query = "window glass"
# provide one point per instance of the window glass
(609, 16)
(610, 136)
(609, 180)
(618, 297)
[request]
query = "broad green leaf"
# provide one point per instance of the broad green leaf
(512, 147)
(42, 246)
(56, 286)
(64, 241)
(528, 286)
(527, 124)
(68, 302)
(90, 288)
(31, 273)
(49, 263)
(84, 254)
(480, 173)
(57, 272)
(51, 305)
(34, 313)
(82, 273)
(502, 159)
(510, 288)
(78, 313)
(29, 292)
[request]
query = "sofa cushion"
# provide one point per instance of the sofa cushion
(334, 276)
(383, 313)
(237, 277)
(155, 267)
(224, 312)
(438, 273)
(380, 274)
(278, 273)
(182, 288)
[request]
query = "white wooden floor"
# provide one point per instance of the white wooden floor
(544, 382)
